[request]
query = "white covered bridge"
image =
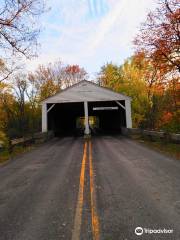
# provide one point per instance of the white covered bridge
(87, 107)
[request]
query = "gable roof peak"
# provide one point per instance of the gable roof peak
(85, 91)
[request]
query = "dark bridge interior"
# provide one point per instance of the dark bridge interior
(63, 118)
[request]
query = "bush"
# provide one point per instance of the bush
(3, 140)
(173, 125)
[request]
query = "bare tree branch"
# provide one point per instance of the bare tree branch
(19, 26)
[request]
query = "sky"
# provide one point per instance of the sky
(90, 32)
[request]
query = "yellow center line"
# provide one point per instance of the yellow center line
(79, 206)
(94, 215)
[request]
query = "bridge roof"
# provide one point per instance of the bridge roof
(86, 91)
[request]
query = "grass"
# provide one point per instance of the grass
(167, 148)
(4, 156)
(17, 150)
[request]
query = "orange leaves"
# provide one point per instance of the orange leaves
(158, 53)
(167, 117)
(73, 74)
(159, 36)
(73, 69)
(49, 79)
(48, 89)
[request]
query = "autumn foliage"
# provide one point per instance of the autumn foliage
(159, 36)
(151, 76)
(20, 109)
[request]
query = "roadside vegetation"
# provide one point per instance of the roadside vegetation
(151, 76)
(6, 155)
(171, 149)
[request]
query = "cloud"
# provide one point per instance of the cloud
(89, 32)
(105, 25)
(97, 8)
(121, 22)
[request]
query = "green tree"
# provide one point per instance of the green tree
(127, 79)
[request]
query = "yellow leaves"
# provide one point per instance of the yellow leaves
(5, 87)
(48, 89)
(3, 139)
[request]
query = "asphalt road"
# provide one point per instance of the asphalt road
(100, 189)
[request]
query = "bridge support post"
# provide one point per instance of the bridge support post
(86, 118)
(44, 118)
(128, 113)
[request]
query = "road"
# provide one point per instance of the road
(101, 189)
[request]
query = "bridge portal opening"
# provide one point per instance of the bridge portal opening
(103, 118)
(110, 115)
(63, 116)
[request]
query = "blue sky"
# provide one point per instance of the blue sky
(90, 32)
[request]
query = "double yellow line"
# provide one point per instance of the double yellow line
(79, 207)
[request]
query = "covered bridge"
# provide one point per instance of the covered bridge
(86, 107)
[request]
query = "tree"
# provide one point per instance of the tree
(171, 113)
(109, 76)
(20, 88)
(73, 74)
(4, 71)
(7, 110)
(34, 110)
(46, 81)
(159, 41)
(53, 77)
(159, 36)
(19, 107)
(154, 97)
(18, 25)
(127, 79)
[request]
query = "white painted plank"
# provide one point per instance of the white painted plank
(85, 91)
